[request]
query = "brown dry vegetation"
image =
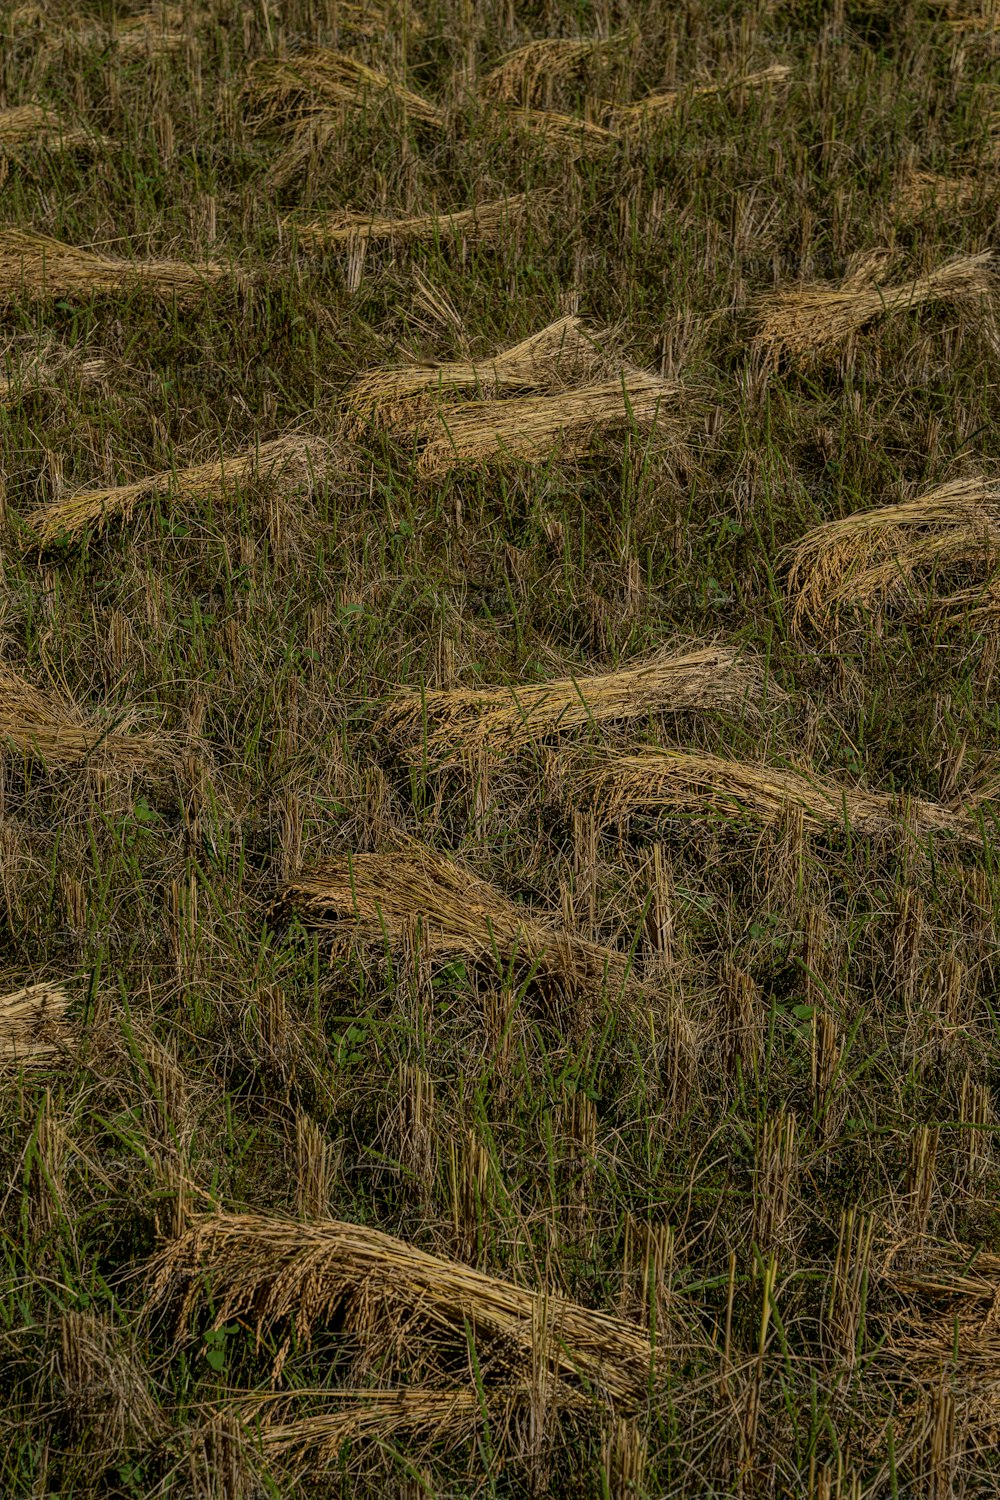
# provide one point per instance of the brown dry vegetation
(499, 750)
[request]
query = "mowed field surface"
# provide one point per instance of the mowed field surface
(499, 743)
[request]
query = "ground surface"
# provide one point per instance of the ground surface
(769, 1148)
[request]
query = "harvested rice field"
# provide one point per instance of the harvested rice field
(500, 750)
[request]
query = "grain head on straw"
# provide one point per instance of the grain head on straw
(632, 117)
(294, 460)
(530, 72)
(447, 724)
(320, 78)
(571, 136)
(33, 1027)
(814, 321)
(35, 268)
(876, 556)
(36, 127)
(50, 728)
(475, 225)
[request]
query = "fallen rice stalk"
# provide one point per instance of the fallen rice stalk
(54, 730)
(448, 724)
(320, 76)
(483, 222)
(389, 1295)
(28, 127)
(874, 556)
(399, 396)
(40, 369)
(921, 193)
(35, 267)
(383, 896)
(294, 456)
(532, 427)
(564, 133)
(521, 76)
(706, 785)
(630, 117)
(816, 319)
(32, 1024)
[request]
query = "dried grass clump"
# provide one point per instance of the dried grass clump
(568, 135)
(40, 368)
(105, 1388)
(319, 77)
(525, 74)
(920, 193)
(383, 896)
(294, 459)
(149, 35)
(876, 556)
(27, 127)
(484, 222)
(33, 1027)
(811, 322)
(396, 1301)
(536, 427)
(53, 729)
(630, 117)
(36, 268)
(709, 786)
(399, 397)
(445, 725)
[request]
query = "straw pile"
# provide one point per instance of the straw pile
(921, 193)
(36, 268)
(525, 74)
(398, 397)
(484, 222)
(708, 786)
(294, 459)
(382, 897)
(534, 427)
(874, 557)
(47, 726)
(813, 321)
(32, 1024)
(631, 117)
(320, 79)
(445, 725)
(566, 134)
(28, 127)
(396, 1300)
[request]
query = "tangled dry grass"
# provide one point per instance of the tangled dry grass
(37, 268)
(33, 1028)
(890, 554)
(448, 724)
(710, 786)
(292, 460)
(812, 322)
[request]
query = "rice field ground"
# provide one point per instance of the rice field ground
(500, 749)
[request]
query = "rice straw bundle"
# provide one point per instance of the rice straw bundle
(32, 1024)
(708, 786)
(920, 193)
(534, 427)
(447, 724)
(524, 74)
(319, 78)
(382, 896)
(399, 396)
(293, 458)
(271, 1270)
(36, 268)
(28, 127)
(49, 727)
(484, 222)
(875, 556)
(567, 134)
(630, 117)
(815, 320)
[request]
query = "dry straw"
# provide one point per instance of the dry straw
(484, 222)
(32, 1024)
(445, 725)
(708, 786)
(653, 107)
(27, 127)
(540, 427)
(920, 193)
(394, 1300)
(815, 320)
(567, 135)
(53, 729)
(293, 459)
(36, 268)
(399, 396)
(525, 74)
(876, 556)
(320, 78)
(385, 897)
